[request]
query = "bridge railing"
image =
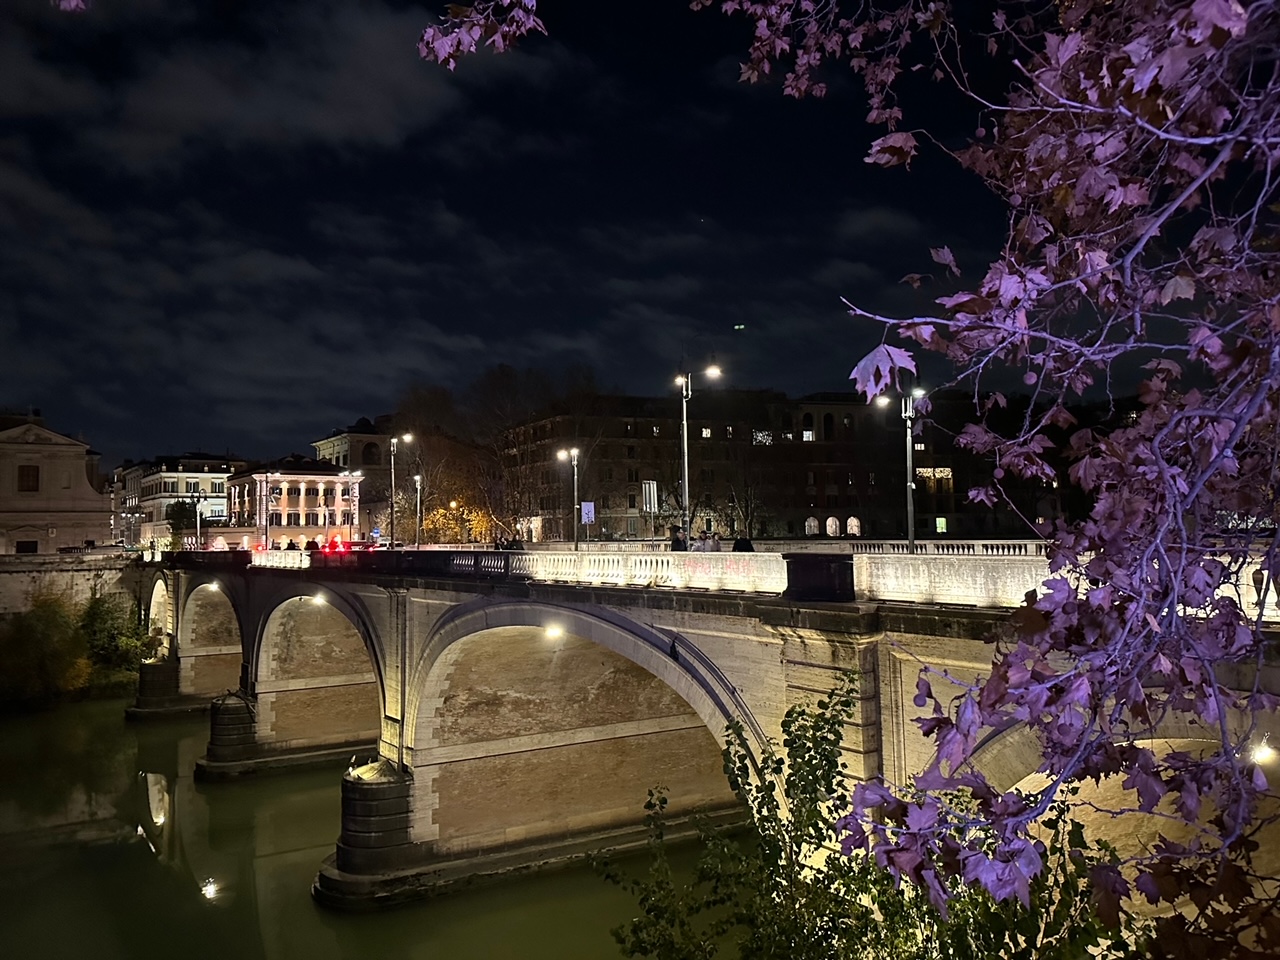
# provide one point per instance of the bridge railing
(739, 572)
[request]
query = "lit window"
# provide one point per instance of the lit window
(728, 433)
(934, 473)
(811, 527)
(854, 527)
(193, 486)
(940, 524)
(919, 447)
(807, 436)
(762, 438)
(706, 433)
(657, 430)
(833, 527)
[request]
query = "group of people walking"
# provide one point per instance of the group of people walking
(707, 542)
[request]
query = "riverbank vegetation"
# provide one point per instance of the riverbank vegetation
(58, 650)
(783, 889)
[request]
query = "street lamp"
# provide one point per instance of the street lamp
(196, 499)
(685, 383)
(417, 534)
(407, 438)
(572, 455)
(353, 498)
(908, 415)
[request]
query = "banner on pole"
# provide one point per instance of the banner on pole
(649, 495)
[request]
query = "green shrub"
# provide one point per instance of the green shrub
(43, 652)
(113, 635)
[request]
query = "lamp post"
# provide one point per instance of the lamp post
(572, 455)
(417, 532)
(196, 499)
(685, 383)
(407, 438)
(908, 416)
(353, 497)
(133, 519)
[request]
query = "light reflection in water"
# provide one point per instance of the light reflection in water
(125, 855)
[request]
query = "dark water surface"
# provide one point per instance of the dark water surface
(108, 848)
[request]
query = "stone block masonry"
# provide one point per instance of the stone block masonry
(78, 576)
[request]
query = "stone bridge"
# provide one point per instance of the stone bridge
(502, 710)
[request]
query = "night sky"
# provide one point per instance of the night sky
(241, 225)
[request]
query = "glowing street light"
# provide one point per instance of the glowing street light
(572, 455)
(908, 415)
(685, 383)
(407, 438)
(417, 533)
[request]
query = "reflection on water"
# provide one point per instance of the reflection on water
(108, 848)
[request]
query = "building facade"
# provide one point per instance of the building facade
(51, 496)
(295, 500)
(760, 463)
(142, 494)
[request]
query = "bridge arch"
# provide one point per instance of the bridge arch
(315, 669)
(669, 657)
(532, 724)
(159, 615)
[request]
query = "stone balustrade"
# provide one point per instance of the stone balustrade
(739, 572)
(973, 573)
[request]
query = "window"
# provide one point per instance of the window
(295, 519)
(788, 435)
(629, 429)
(28, 482)
(656, 430)
(833, 500)
(274, 518)
(919, 446)
(604, 502)
(833, 526)
(762, 438)
(313, 491)
(631, 453)
(853, 527)
(277, 491)
(631, 501)
(295, 491)
(371, 455)
(218, 486)
(169, 486)
(26, 546)
(313, 519)
(810, 478)
(728, 433)
(828, 427)
(940, 524)
(606, 473)
(706, 433)
(806, 436)
(633, 474)
(811, 526)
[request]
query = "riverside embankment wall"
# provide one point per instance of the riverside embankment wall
(78, 576)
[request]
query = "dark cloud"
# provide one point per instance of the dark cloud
(239, 225)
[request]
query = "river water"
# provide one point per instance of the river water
(109, 848)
